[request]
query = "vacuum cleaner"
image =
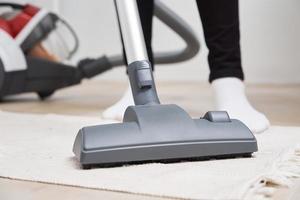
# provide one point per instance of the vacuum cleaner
(154, 132)
(24, 27)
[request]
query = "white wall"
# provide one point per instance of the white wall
(270, 32)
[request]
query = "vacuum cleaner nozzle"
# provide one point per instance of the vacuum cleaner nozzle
(150, 134)
(151, 131)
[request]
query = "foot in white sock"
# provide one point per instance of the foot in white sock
(116, 111)
(230, 96)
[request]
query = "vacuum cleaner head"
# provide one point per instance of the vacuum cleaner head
(153, 133)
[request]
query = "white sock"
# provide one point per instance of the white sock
(230, 96)
(116, 111)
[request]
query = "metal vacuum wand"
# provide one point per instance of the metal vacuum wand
(139, 68)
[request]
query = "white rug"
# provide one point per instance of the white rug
(39, 148)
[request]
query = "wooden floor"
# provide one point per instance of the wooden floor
(281, 104)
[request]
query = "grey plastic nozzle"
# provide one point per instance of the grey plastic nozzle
(142, 83)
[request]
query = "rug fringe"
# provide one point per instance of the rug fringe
(284, 169)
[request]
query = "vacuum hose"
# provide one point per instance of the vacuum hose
(92, 67)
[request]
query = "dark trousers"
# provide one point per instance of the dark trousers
(220, 20)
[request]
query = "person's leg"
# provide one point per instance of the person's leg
(220, 20)
(146, 9)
